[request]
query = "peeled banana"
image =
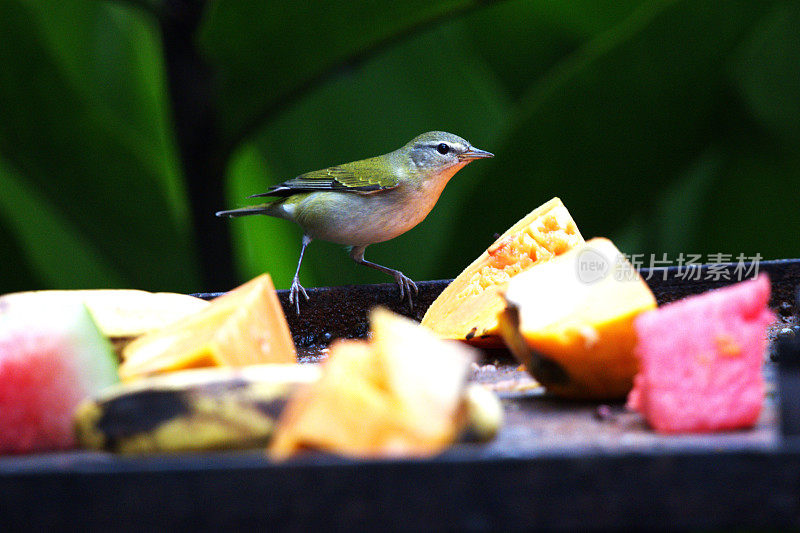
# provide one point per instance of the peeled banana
(222, 408)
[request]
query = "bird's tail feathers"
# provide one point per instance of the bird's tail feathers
(263, 209)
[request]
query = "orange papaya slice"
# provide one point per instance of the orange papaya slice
(399, 394)
(467, 309)
(570, 321)
(242, 327)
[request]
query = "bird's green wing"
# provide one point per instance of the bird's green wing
(368, 175)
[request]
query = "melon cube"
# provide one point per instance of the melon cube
(701, 358)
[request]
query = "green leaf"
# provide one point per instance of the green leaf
(679, 208)
(263, 52)
(766, 72)
(520, 41)
(614, 124)
(752, 208)
(55, 249)
(83, 125)
(671, 125)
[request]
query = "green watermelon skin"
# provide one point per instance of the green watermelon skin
(50, 360)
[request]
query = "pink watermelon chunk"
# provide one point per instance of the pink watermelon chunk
(50, 360)
(700, 360)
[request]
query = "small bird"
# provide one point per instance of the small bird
(368, 201)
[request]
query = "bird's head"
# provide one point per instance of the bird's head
(437, 151)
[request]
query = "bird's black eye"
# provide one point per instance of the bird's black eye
(443, 148)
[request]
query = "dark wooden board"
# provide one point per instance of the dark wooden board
(555, 464)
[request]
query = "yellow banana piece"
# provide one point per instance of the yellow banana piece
(191, 410)
(222, 408)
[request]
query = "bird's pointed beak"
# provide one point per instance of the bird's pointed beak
(474, 153)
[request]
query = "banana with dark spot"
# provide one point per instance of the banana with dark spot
(191, 410)
(223, 408)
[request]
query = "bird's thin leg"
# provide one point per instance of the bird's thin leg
(404, 282)
(294, 292)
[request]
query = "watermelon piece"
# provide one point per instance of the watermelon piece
(50, 360)
(700, 360)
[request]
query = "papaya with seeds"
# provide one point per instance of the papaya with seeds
(468, 307)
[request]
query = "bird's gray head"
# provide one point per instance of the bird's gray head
(438, 150)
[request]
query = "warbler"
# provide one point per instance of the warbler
(367, 201)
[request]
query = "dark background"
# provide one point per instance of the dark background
(668, 126)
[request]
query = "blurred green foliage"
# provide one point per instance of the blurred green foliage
(668, 126)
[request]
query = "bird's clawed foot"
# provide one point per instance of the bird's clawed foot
(404, 282)
(294, 294)
(406, 285)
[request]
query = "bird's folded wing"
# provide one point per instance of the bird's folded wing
(361, 176)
